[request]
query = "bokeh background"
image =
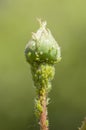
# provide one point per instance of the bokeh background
(67, 21)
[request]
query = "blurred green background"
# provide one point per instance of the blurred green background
(67, 21)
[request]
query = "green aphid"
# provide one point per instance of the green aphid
(47, 122)
(38, 106)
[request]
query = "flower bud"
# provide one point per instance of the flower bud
(42, 48)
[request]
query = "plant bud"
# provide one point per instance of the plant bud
(42, 48)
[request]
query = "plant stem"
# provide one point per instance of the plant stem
(43, 115)
(42, 76)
